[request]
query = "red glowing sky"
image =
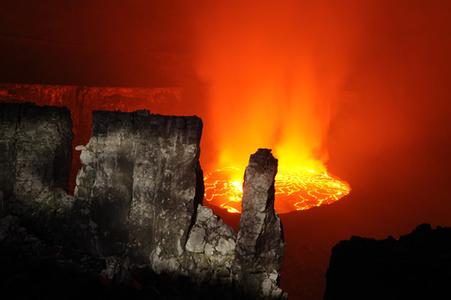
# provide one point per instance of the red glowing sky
(383, 66)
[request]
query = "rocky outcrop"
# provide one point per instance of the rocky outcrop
(210, 249)
(34, 268)
(82, 101)
(35, 156)
(260, 244)
(137, 204)
(416, 266)
(139, 193)
(140, 185)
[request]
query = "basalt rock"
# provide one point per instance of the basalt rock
(210, 249)
(137, 206)
(83, 100)
(416, 266)
(140, 185)
(35, 156)
(260, 245)
(139, 193)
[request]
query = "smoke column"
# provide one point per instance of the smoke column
(274, 71)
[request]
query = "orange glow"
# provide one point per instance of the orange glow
(272, 81)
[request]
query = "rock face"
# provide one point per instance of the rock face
(35, 156)
(417, 266)
(210, 249)
(140, 185)
(82, 101)
(139, 192)
(260, 244)
(137, 208)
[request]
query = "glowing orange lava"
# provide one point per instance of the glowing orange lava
(296, 189)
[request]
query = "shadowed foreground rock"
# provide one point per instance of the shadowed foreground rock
(260, 244)
(417, 266)
(136, 226)
(35, 161)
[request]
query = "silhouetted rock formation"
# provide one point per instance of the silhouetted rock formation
(260, 243)
(417, 266)
(137, 211)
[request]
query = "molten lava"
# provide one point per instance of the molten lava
(296, 189)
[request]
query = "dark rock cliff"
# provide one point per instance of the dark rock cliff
(136, 220)
(260, 244)
(35, 157)
(416, 266)
(81, 101)
(140, 183)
